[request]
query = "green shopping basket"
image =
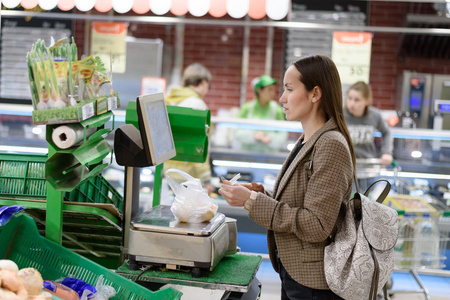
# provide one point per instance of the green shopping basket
(23, 176)
(22, 244)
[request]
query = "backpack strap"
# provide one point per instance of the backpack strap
(375, 277)
(357, 205)
(383, 194)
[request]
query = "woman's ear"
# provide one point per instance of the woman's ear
(316, 94)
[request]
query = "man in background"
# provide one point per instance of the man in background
(196, 81)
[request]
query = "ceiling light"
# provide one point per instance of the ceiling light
(198, 8)
(66, 5)
(277, 9)
(29, 4)
(103, 5)
(237, 8)
(159, 7)
(84, 5)
(122, 6)
(48, 4)
(141, 6)
(10, 3)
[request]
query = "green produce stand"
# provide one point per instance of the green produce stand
(23, 244)
(92, 212)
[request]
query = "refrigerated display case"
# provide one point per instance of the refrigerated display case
(415, 166)
(417, 170)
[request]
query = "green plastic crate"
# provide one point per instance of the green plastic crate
(22, 244)
(96, 190)
(23, 176)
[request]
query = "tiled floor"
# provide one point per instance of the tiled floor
(438, 286)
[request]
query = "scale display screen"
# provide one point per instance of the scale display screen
(160, 128)
(155, 128)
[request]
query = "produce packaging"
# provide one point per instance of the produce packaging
(65, 89)
(23, 284)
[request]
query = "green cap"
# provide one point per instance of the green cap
(263, 81)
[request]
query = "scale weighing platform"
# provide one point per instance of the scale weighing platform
(157, 238)
(177, 252)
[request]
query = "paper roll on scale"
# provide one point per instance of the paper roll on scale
(66, 136)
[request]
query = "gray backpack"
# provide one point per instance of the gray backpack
(360, 258)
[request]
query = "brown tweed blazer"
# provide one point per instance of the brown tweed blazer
(301, 214)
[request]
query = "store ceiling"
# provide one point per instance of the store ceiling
(255, 9)
(426, 46)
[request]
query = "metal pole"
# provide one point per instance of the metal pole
(87, 36)
(130, 204)
(244, 68)
(178, 56)
(269, 51)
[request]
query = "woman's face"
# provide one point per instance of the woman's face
(356, 103)
(296, 100)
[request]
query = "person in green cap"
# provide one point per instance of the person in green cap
(262, 107)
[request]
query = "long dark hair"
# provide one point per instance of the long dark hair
(320, 70)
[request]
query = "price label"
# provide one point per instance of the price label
(351, 53)
(87, 111)
(112, 103)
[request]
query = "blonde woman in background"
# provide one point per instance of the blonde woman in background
(363, 121)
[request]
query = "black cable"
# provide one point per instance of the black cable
(142, 272)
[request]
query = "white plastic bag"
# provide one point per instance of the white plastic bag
(104, 292)
(192, 203)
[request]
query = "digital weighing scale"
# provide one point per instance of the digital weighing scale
(158, 238)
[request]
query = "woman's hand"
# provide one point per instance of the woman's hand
(236, 194)
(253, 186)
(386, 159)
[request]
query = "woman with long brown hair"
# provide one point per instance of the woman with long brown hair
(315, 180)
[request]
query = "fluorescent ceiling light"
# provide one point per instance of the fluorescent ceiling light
(242, 164)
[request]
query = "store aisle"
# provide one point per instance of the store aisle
(438, 286)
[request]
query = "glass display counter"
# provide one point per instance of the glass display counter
(421, 156)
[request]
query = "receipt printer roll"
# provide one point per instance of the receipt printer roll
(65, 136)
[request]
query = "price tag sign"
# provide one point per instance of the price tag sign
(108, 42)
(152, 85)
(351, 54)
